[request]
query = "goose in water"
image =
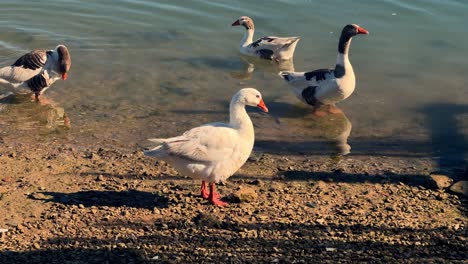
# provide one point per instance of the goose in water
(37, 70)
(215, 151)
(327, 86)
(270, 47)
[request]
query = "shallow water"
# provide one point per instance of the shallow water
(156, 68)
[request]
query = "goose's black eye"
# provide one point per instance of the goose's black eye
(258, 96)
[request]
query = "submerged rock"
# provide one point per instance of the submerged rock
(460, 187)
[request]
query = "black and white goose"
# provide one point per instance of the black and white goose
(270, 47)
(328, 86)
(37, 70)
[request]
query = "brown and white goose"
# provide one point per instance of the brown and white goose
(37, 70)
(328, 86)
(270, 47)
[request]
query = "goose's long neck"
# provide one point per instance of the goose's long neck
(248, 36)
(239, 119)
(342, 59)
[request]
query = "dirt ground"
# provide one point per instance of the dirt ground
(66, 204)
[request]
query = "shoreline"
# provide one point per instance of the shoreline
(97, 204)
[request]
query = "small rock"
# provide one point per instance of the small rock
(3, 230)
(208, 220)
(21, 227)
(121, 245)
(100, 177)
(320, 221)
(36, 245)
(460, 187)
(262, 217)
(94, 156)
(244, 195)
(125, 213)
(330, 249)
(256, 182)
(441, 181)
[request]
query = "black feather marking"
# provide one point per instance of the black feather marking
(309, 95)
(286, 76)
(257, 42)
(32, 60)
(289, 44)
(339, 71)
(318, 74)
(265, 54)
(37, 84)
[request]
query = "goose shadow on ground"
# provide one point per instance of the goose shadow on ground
(140, 176)
(337, 176)
(131, 198)
(417, 180)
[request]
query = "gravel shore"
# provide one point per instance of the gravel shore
(63, 204)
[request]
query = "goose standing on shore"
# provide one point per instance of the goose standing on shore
(328, 86)
(215, 151)
(270, 47)
(37, 70)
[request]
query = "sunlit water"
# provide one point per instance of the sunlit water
(146, 68)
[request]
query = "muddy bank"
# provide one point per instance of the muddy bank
(111, 205)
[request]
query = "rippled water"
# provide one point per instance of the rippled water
(155, 68)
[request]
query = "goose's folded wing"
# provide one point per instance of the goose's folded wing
(272, 41)
(25, 68)
(305, 79)
(206, 143)
(33, 60)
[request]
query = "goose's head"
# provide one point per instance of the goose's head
(352, 30)
(64, 60)
(245, 21)
(252, 97)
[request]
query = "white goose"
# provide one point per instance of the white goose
(37, 70)
(215, 151)
(270, 47)
(328, 86)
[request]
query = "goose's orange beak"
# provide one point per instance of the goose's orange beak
(64, 76)
(361, 30)
(262, 106)
(236, 23)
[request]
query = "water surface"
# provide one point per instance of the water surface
(146, 68)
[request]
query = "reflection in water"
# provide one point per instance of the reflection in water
(20, 113)
(250, 63)
(341, 141)
(287, 65)
(333, 128)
